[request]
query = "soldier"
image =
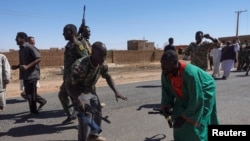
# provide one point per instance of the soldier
(83, 36)
(73, 50)
(243, 56)
(198, 50)
(247, 68)
(84, 75)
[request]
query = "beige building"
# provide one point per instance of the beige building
(140, 45)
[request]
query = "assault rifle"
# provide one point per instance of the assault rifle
(168, 116)
(95, 113)
(89, 109)
(80, 31)
(84, 108)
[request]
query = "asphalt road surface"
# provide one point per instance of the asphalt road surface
(130, 120)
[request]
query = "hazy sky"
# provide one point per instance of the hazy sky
(116, 21)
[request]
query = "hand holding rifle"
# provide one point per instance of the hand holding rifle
(167, 114)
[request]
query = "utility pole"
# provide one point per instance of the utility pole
(237, 25)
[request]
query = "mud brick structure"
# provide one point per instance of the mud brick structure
(54, 57)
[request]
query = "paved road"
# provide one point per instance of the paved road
(129, 120)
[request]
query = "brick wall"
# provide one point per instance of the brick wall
(54, 57)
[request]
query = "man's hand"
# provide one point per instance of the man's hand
(167, 111)
(6, 81)
(14, 67)
(206, 36)
(80, 103)
(179, 122)
(121, 97)
(23, 67)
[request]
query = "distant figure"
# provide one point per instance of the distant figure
(242, 56)
(4, 79)
(84, 37)
(31, 40)
(29, 59)
(210, 58)
(198, 50)
(228, 56)
(216, 53)
(170, 45)
(236, 43)
(247, 66)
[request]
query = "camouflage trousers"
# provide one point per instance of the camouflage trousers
(65, 100)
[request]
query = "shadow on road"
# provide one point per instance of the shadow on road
(35, 129)
(151, 106)
(14, 101)
(219, 79)
(157, 137)
(242, 75)
(27, 117)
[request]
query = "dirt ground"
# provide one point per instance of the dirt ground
(51, 78)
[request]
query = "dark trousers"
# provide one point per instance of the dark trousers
(211, 64)
(31, 91)
(84, 129)
(90, 98)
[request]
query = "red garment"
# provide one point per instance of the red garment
(177, 81)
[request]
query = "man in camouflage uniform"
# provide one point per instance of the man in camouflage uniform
(198, 50)
(247, 64)
(73, 50)
(83, 36)
(242, 56)
(81, 84)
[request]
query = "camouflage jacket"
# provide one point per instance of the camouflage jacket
(84, 75)
(198, 53)
(86, 45)
(73, 51)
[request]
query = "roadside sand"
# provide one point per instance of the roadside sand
(51, 78)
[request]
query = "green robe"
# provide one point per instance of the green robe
(196, 104)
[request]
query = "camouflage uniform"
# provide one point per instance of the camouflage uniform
(82, 82)
(86, 45)
(247, 68)
(198, 53)
(73, 51)
(242, 55)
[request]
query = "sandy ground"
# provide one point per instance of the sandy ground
(51, 78)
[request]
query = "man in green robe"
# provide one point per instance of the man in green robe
(191, 93)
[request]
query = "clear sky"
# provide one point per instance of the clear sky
(116, 21)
